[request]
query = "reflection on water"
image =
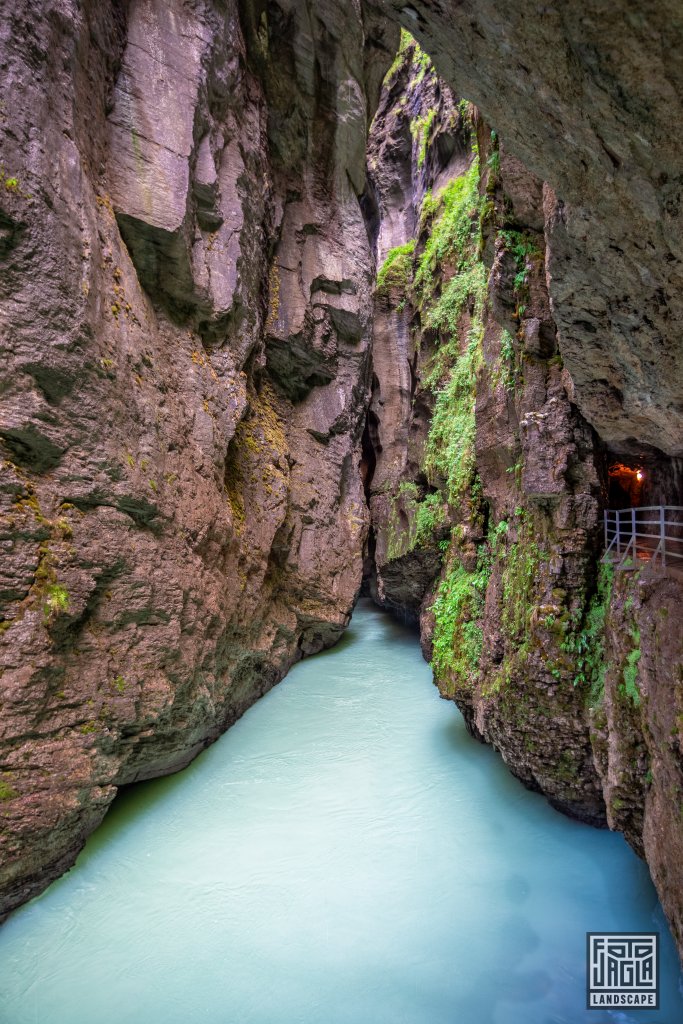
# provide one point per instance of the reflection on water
(344, 854)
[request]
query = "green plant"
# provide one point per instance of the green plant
(7, 792)
(519, 578)
(65, 527)
(120, 684)
(56, 598)
(453, 241)
(507, 346)
(586, 645)
(412, 522)
(454, 235)
(458, 607)
(517, 470)
(496, 535)
(406, 41)
(396, 271)
(12, 184)
(420, 129)
(506, 375)
(629, 687)
(449, 452)
(430, 515)
(421, 63)
(465, 112)
(525, 252)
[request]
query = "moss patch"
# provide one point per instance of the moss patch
(7, 792)
(458, 609)
(396, 271)
(445, 308)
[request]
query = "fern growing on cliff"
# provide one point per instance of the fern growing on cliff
(587, 644)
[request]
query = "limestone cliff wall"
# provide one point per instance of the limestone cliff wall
(584, 94)
(186, 294)
(486, 506)
(187, 240)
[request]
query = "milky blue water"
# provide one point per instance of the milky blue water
(345, 854)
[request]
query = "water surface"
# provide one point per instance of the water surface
(345, 854)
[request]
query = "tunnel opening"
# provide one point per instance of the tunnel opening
(625, 485)
(638, 476)
(643, 517)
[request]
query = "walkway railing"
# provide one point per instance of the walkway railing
(635, 535)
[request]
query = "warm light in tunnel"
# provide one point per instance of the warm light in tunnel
(639, 475)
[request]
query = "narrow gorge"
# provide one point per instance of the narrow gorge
(304, 300)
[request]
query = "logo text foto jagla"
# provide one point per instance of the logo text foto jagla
(623, 969)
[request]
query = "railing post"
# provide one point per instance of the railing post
(617, 518)
(633, 534)
(662, 533)
(604, 518)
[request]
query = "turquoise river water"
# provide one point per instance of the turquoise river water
(345, 854)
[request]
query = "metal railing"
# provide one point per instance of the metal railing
(636, 535)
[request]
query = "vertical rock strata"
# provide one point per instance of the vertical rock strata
(585, 93)
(187, 239)
(489, 470)
(487, 485)
(186, 281)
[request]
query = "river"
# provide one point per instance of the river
(345, 854)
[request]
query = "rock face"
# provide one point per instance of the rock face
(186, 280)
(486, 507)
(417, 142)
(584, 95)
(527, 504)
(638, 743)
(188, 235)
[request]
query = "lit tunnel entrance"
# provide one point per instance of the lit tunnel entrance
(643, 509)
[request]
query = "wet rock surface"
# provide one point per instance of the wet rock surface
(188, 240)
(584, 95)
(637, 733)
(546, 682)
(182, 507)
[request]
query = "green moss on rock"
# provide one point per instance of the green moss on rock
(396, 271)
